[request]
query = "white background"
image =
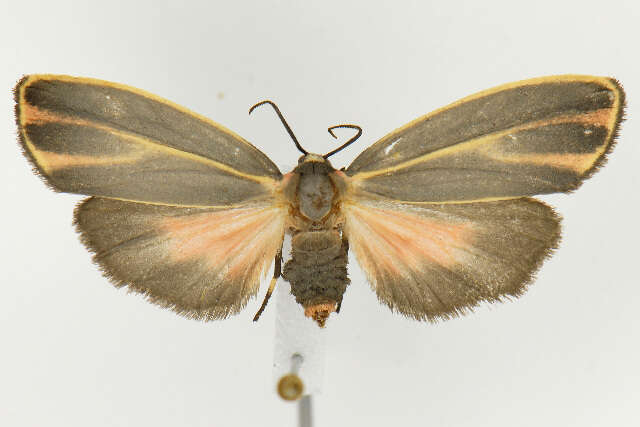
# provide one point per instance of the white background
(75, 351)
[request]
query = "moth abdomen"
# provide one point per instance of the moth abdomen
(317, 272)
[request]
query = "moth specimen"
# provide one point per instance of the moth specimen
(438, 212)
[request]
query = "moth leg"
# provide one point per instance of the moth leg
(277, 271)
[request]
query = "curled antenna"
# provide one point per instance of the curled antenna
(346, 144)
(284, 122)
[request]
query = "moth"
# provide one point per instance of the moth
(438, 213)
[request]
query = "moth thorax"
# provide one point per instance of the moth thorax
(315, 190)
(317, 272)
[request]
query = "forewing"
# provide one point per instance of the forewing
(436, 261)
(536, 136)
(203, 263)
(99, 138)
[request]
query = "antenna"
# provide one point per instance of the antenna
(284, 122)
(346, 144)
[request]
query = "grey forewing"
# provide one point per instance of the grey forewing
(132, 112)
(501, 110)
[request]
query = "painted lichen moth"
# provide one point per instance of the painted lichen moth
(438, 212)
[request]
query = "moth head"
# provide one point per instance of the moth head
(313, 163)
